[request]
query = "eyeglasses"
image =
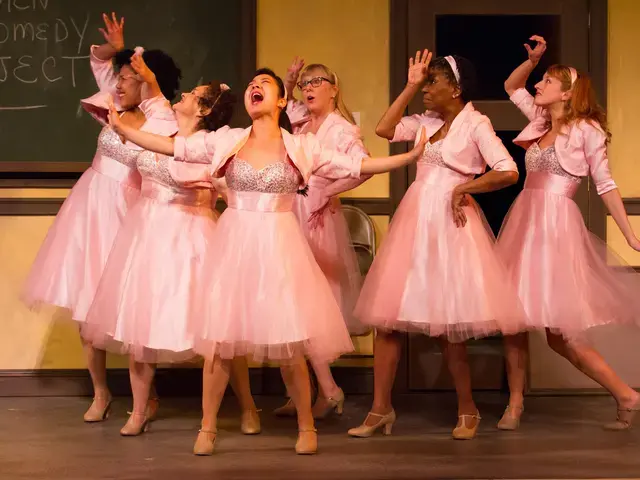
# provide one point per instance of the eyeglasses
(314, 82)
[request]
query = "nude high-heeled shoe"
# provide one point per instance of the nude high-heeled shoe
(307, 443)
(287, 410)
(206, 442)
(625, 417)
(462, 432)
(510, 418)
(385, 422)
(133, 429)
(153, 404)
(95, 413)
(325, 406)
(250, 422)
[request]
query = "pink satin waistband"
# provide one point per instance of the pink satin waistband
(261, 202)
(551, 183)
(195, 197)
(441, 176)
(116, 170)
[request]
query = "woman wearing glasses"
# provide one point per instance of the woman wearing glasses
(323, 113)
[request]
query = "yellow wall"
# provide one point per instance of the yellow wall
(44, 339)
(623, 105)
(351, 40)
(623, 94)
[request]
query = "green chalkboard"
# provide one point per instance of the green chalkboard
(44, 67)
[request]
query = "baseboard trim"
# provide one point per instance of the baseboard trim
(170, 382)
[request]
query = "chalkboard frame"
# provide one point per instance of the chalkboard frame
(64, 174)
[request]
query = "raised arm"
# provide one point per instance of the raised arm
(518, 78)
(101, 55)
(150, 89)
(293, 73)
(418, 69)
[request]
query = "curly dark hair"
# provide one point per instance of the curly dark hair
(284, 120)
(468, 77)
(221, 104)
(167, 72)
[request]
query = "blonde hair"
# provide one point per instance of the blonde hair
(339, 102)
(583, 104)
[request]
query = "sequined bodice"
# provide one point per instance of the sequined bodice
(546, 160)
(433, 154)
(278, 177)
(155, 167)
(110, 145)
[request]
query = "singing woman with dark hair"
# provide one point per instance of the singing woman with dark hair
(70, 262)
(266, 297)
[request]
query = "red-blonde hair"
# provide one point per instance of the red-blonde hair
(583, 104)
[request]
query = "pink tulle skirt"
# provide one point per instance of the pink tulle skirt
(332, 249)
(567, 278)
(265, 295)
(69, 265)
(151, 282)
(435, 278)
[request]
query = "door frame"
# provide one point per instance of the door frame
(399, 179)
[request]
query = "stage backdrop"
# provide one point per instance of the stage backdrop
(44, 67)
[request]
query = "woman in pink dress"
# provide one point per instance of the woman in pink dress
(146, 295)
(437, 272)
(567, 279)
(69, 264)
(267, 296)
(323, 113)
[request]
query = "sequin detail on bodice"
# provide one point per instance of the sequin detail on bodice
(433, 154)
(279, 177)
(546, 160)
(155, 167)
(110, 145)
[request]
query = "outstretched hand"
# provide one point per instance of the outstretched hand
(293, 71)
(419, 145)
(535, 53)
(419, 67)
(115, 121)
(113, 32)
(140, 67)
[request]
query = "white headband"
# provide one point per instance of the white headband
(574, 75)
(454, 67)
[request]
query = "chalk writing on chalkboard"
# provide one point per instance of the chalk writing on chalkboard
(42, 52)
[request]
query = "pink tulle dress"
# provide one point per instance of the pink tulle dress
(433, 277)
(331, 241)
(265, 295)
(567, 278)
(70, 261)
(150, 285)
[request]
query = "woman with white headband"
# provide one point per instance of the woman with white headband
(437, 272)
(566, 277)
